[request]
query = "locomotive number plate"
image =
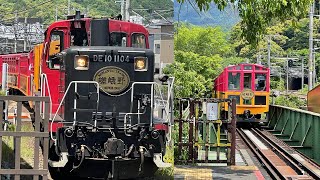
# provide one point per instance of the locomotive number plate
(247, 94)
(112, 79)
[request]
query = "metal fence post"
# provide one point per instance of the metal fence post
(233, 132)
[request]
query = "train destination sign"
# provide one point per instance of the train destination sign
(112, 79)
(247, 94)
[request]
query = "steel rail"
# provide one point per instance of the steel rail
(281, 150)
(283, 155)
(270, 168)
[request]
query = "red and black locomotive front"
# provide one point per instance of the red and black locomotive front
(107, 111)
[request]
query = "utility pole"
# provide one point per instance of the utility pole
(56, 17)
(310, 63)
(25, 35)
(314, 68)
(269, 52)
(122, 7)
(69, 7)
(15, 30)
(302, 70)
(127, 9)
(287, 74)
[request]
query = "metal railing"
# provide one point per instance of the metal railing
(40, 135)
(75, 102)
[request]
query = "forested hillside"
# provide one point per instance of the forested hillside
(46, 9)
(188, 12)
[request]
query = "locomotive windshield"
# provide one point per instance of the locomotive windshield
(118, 39)
(260, 82)
(247, 80)
(138, 40)
(234, 81)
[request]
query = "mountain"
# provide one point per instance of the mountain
(188, 12)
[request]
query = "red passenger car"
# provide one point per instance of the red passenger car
(249, 84)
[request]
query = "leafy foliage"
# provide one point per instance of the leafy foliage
(290, 101)
(99, 8)
(258, 15)
(200, 56)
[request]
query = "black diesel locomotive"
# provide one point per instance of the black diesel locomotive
(106, 114)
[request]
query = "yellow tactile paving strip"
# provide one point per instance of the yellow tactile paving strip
(245, 168)
(193, 173)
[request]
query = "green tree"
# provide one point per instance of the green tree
(201, 53)
(98, 8)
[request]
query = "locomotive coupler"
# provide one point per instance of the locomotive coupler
(114, 147)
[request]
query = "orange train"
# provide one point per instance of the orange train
(313, 100)
(249, 84)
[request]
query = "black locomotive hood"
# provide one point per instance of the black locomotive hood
(115, 65)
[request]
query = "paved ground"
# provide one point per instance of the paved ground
(247, 168)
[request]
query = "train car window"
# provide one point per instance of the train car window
(118, 39)
(56, 46)
(234, 81)
(238, 67)
(247, 80)
(247, 102)
(247, 67)
(260, 82)
(78, 37)
(138, 40)
(260, 100)
(235, 97)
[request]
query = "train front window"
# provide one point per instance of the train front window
(56, 46)
(118, 39)
(138, 40)
(234, 81)
(247, 80)
(260, 82)
(78, 34)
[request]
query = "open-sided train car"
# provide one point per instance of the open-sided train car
(249, 84)
(313, 99)
(99, 75)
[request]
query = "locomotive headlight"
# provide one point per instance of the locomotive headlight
(140, 64)
(81, 62)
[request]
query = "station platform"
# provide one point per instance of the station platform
(247, 168)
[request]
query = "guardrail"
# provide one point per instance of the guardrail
(298, 128)
(40, 134)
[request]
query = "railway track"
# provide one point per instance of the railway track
(279, 160)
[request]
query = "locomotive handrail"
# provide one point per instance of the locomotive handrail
(64, 96)
(44, 78)
(166, 106)
(152, 89)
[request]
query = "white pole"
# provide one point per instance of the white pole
(310, 63)
(127, 17)
(4, 86)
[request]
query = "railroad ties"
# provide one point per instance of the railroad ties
(279, 159)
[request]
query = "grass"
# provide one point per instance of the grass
(27, 150)
(167, 173)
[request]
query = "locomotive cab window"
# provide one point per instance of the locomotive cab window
(247, 80)
(118, 39)
(260, 82)
(78, 34)
(56, 46)
(138, 40)
(234, 81)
